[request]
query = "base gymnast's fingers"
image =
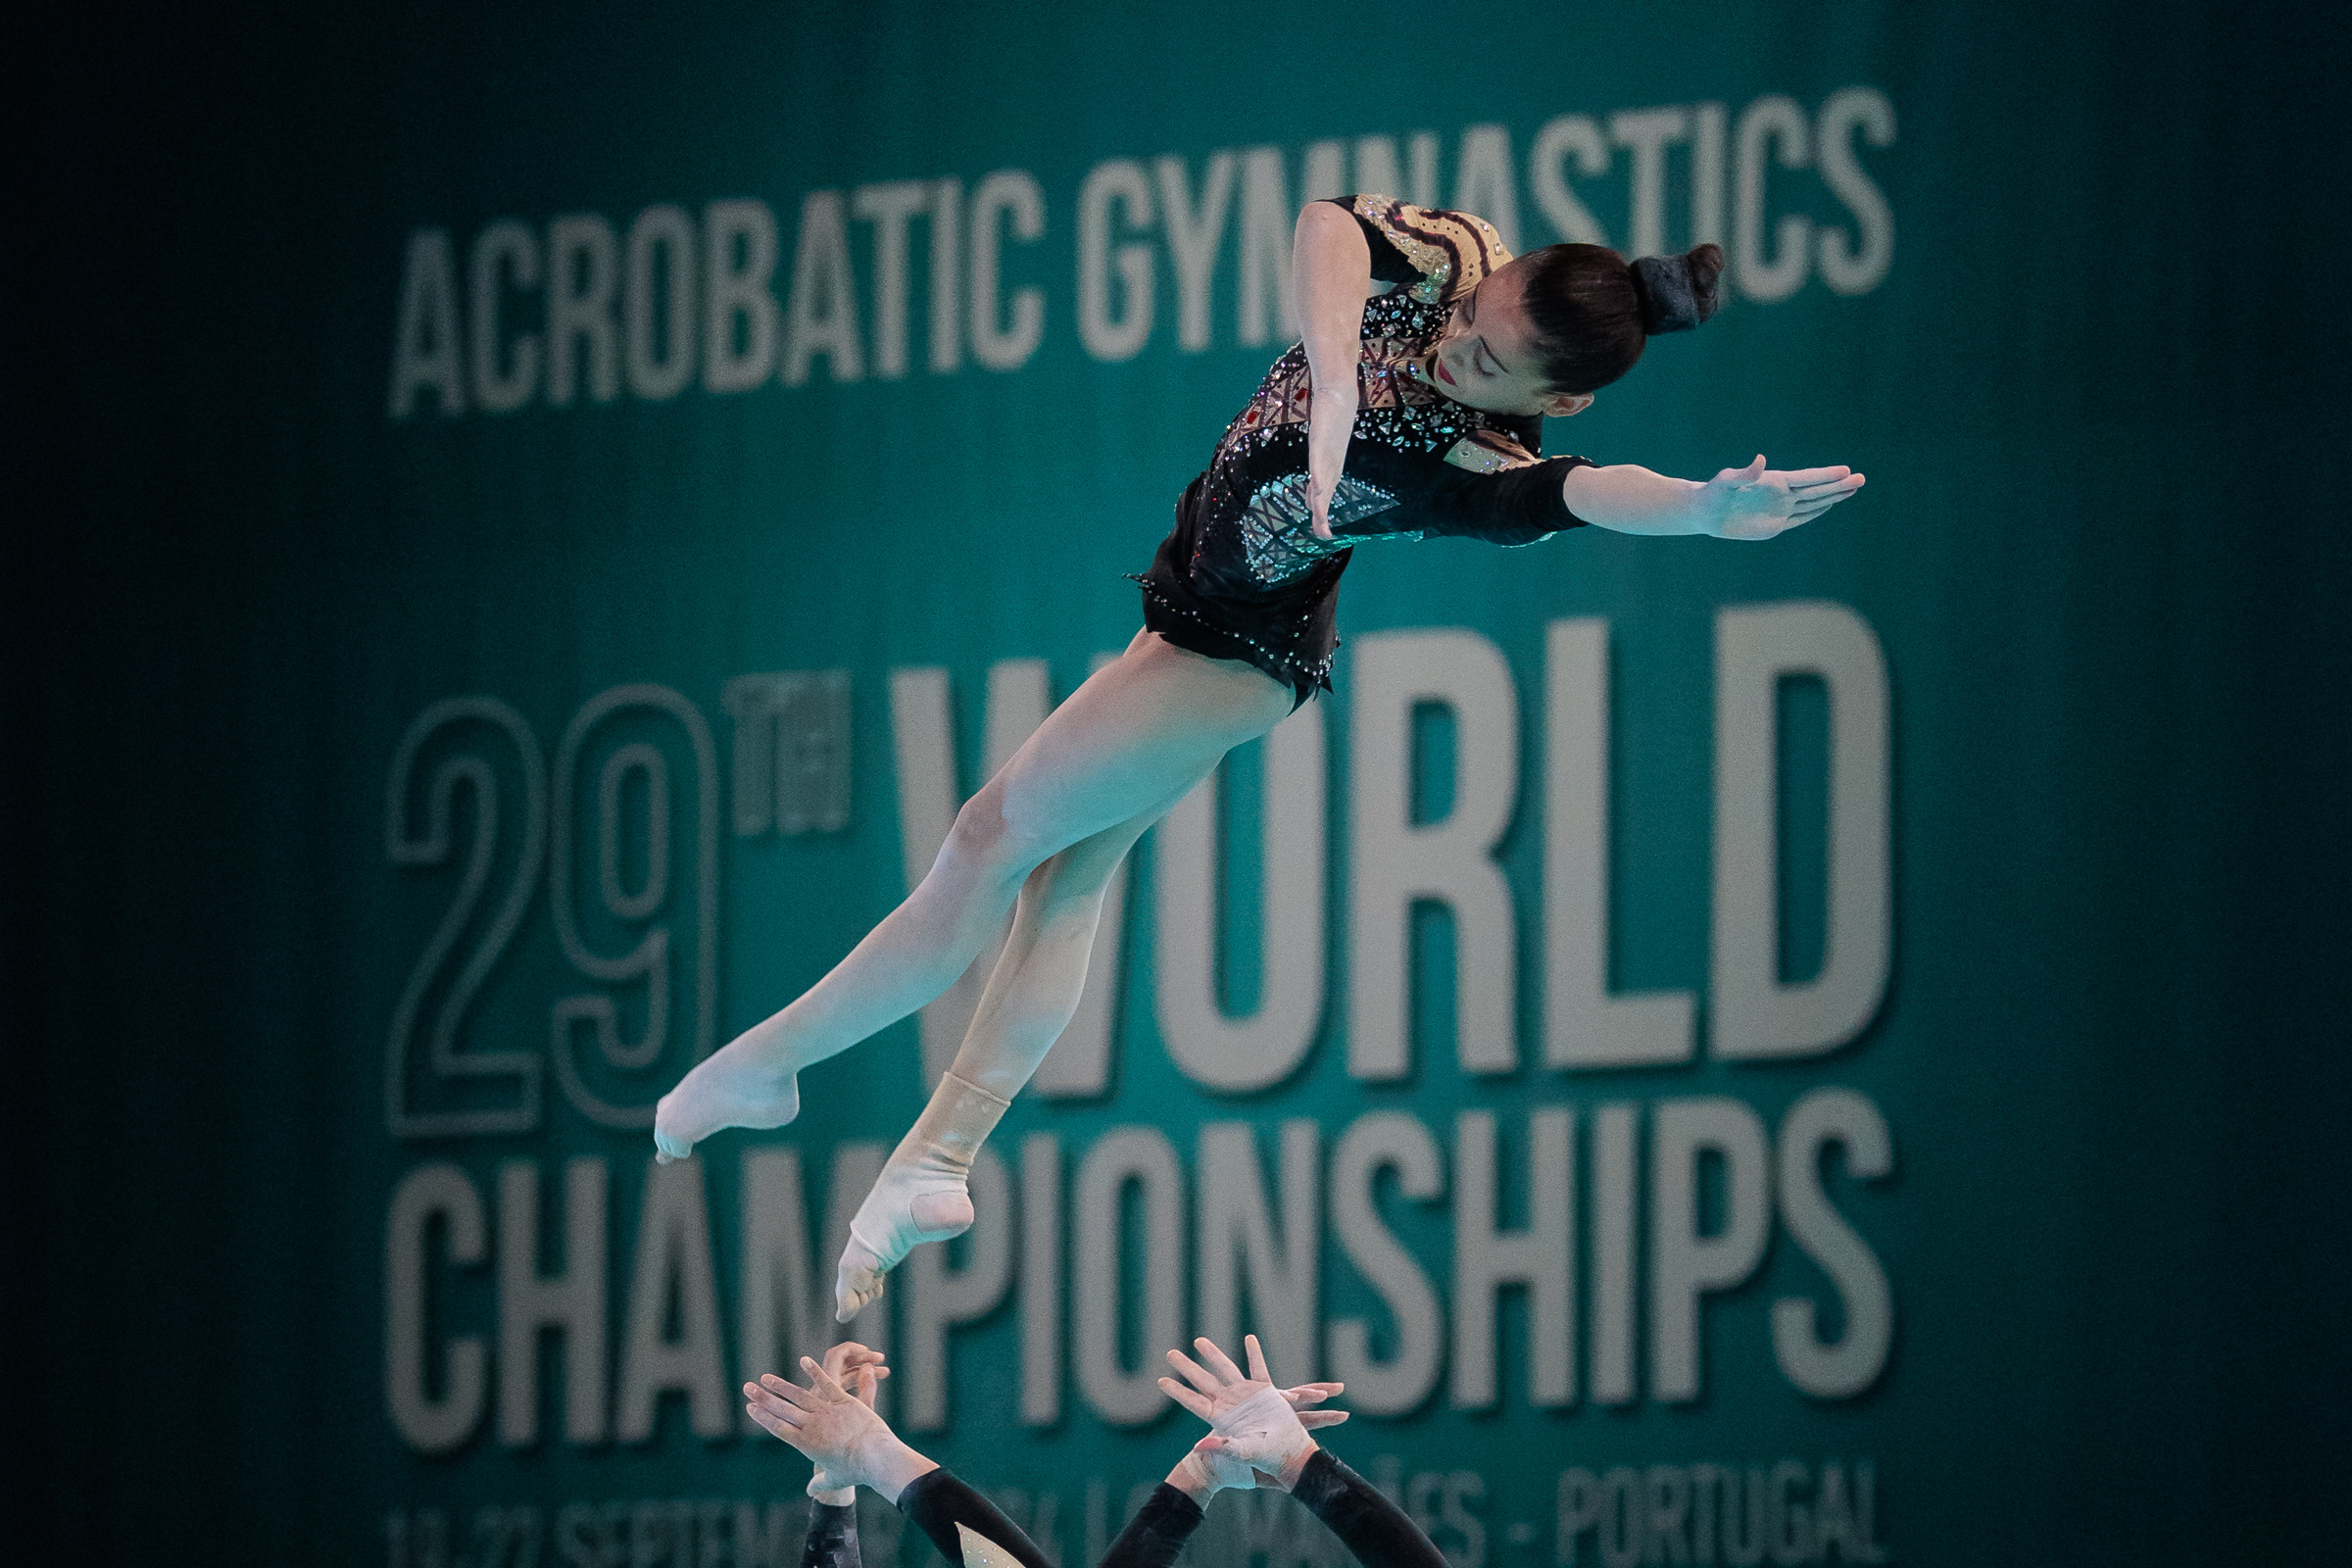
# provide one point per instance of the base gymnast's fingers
(1196, 1403)
(1199, 1375)
(1218, 1361)
(778, 1418)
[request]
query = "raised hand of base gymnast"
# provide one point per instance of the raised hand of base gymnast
(1258, 1433)
(833, 1422)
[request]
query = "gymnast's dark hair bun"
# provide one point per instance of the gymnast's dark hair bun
(1591, 311)
(1678, 292)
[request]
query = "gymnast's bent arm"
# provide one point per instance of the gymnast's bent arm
(1331, 277)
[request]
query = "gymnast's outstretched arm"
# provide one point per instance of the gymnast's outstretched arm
(1746, 502)
(1380, 1533)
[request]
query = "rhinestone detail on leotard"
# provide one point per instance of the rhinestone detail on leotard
(1277, 525)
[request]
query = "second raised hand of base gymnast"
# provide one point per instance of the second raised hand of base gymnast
(1259, 1437)
(1413, 406)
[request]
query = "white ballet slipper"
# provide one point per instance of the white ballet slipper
(921, 1195)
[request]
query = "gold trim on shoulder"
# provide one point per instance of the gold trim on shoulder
(1453, 252)
(1490, 452)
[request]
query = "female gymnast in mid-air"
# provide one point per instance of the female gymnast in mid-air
(1414, 406)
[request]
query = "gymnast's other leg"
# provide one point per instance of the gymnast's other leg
(1133, 736)
(1032, 993)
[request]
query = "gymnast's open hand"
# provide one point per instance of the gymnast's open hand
(837, 1427)
(1757, 503)
(860, 1371)
(1257, 1430)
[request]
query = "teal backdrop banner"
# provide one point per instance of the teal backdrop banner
(534, 519)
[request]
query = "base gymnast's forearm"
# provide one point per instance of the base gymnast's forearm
(1155, 1536)
(944, 1508)
(1380, 1533)
(832, 1539)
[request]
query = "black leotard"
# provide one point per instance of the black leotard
(1241, 576)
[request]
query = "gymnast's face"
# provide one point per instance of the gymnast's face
(1487, 358)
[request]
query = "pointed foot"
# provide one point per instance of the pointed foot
(718, 1093)
(898, 1219)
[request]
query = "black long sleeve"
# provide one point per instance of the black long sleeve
(1156, 1533)
(832, 1535)
(1515, 506)
(1375, 1530)
(937, 1502)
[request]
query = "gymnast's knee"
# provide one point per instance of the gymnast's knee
(993, 842)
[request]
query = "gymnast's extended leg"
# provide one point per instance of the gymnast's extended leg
(1129, 741)
(1032, 993)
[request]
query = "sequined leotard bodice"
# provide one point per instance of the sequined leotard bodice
(1243, 577)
